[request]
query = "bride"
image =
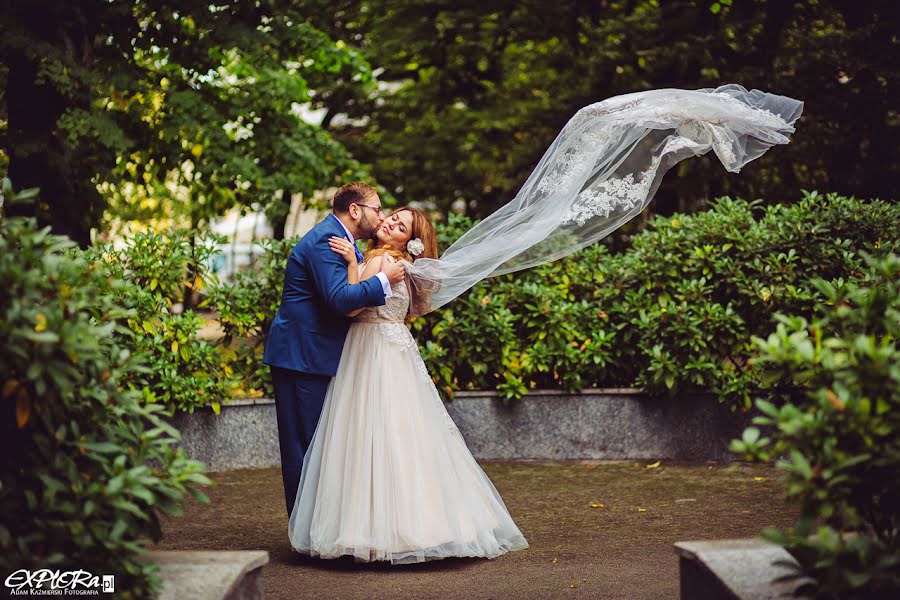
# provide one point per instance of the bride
(388, 475)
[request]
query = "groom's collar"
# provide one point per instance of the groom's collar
(341, 223)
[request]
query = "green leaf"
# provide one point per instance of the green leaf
(130, 507)
(103, 447)
(118, 529)
(115, 485)
(751, 435)
(801, 464)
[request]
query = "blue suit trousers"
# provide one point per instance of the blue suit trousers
(298, 404)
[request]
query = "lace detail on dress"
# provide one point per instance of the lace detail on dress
(678, 107)
(397, 333)
(394, 309)
(756, 115)
(436, 396)
(610, 106)
(723, 145)
(601, 199)
(701, 123)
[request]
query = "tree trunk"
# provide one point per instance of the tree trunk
(279, 222)
(39, 155)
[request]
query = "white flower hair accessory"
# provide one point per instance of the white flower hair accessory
(415, 247)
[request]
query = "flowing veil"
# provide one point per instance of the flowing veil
(601, 171)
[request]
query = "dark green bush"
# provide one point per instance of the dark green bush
(672, 313)
(832, 401)
(77, 489)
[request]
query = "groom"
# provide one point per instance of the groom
(307, 335)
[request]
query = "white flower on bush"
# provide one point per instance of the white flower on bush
(415, 247)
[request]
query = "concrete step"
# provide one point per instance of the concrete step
(208, 575)
(743, 569)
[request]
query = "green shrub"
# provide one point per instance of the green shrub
(672, 313)
(184, 372)
(77, 489)
(247, 305)
(832, 402)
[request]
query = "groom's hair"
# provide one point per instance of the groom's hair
(352, 193)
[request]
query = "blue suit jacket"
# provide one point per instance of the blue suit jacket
(308, 332)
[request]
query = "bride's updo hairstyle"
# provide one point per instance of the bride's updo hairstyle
(421, 229)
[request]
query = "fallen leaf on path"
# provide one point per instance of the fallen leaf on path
(554, 561)
(573, 586)
(654, 465)
(596, 505)
(641, 509)
(759, 479)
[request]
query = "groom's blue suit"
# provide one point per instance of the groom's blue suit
(306, 338)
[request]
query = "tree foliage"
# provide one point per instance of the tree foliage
(193, 105)
(473, 93)
(191, 101)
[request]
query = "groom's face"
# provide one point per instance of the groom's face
(370, 218)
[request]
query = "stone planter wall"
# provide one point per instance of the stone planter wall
(600, 424)
(243, 436)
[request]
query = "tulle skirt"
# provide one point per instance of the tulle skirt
(387, 475)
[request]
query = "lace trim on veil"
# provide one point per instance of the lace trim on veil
(602, 169)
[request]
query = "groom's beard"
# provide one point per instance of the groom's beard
(367, 228)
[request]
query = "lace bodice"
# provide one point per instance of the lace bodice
(389, 317)
(396, 307)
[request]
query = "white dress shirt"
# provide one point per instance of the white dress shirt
(385, 284)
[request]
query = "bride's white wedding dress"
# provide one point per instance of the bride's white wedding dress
(387, 475)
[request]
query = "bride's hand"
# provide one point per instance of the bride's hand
(343, 247)
(394, 270)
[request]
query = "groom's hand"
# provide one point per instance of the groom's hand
(393, 269)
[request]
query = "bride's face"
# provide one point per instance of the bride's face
(395, 230)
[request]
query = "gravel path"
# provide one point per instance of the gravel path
(622, 549)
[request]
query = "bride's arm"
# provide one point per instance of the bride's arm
(346, 250)
(372, 267)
